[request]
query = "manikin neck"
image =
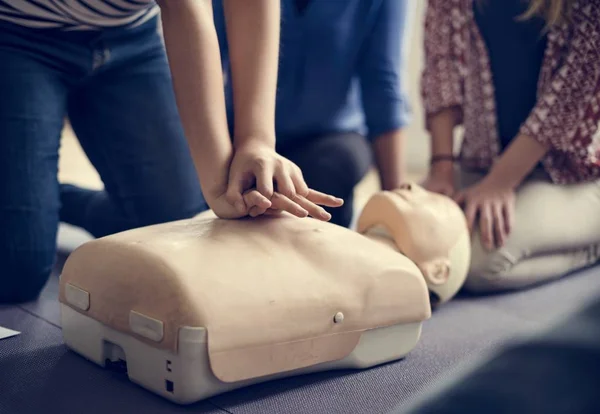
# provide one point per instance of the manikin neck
(382, 236)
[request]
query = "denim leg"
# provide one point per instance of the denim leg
(32, 109)
(127, 122)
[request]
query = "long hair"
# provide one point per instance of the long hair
(552, 11)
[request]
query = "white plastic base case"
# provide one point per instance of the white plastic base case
(186, 377)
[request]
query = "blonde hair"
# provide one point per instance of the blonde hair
(552, 11)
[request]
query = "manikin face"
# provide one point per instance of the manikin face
(425, 227)
(431, 223)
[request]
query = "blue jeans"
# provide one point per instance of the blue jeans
(115, 88)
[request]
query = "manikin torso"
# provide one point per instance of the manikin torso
(262, 287)
(426, 228)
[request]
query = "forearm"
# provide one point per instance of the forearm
(253, 38)
(388, 150)
(193, 52)
(517, 161)
(441, 129)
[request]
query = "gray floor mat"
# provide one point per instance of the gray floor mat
(448, 338)
(47, 306)
(546, 302)
(41, 375)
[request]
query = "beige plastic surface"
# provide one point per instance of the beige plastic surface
(186, 377)
(266, 290)
(429, 228)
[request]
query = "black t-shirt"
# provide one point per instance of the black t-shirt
(516, 51)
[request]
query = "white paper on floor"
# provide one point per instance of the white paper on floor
(7, 333)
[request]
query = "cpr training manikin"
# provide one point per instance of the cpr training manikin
(198, 307)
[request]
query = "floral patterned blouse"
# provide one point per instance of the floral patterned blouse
(566, 117)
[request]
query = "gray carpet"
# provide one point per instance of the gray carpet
(38, 374)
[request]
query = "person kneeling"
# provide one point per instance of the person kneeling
(528, 175)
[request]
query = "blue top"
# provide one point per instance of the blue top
(341, 67)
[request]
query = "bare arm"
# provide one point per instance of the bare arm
(194, 56)
(253, 38)
(517, 161)
(441, 127)
(193, 51)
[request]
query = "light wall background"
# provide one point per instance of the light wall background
(417, 144)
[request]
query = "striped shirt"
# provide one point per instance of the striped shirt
(77, 14)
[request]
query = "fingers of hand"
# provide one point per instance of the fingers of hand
(486, 225)
(285, 184)
(508, 211)
(323, 199)
(237, 200)
(234, 192)
(299, 206)
(313, 209)
(273, 212)
(499, 224)
(298, 180)
(256, 203)
(263, 172)
(256, 211)
(281, 202)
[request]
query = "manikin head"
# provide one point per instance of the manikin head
(428, 228)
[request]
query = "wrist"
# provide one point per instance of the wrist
(389, 183)
(212, 168)
(213, 185)
(442, 168)
(254, 139)
(517, 161)
(496, 177)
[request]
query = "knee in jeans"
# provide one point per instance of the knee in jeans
(342, 216)
(354, 165)
(337, 164)
(488, 269)
(28, 273)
